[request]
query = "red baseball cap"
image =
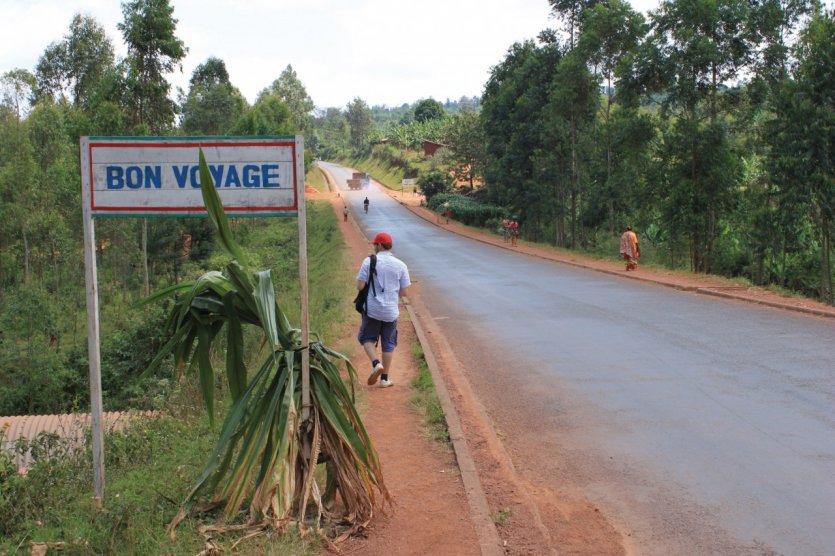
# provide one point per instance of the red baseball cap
(382, 239)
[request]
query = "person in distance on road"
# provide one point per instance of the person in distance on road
(379, 321)
(365, 204)
(629, 249)
(514, 231)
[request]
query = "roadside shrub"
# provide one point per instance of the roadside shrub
(58, 466)
(469, 211)
(434, 183)
(125, 353)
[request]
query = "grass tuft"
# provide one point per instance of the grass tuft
(425, 399)
(502, 516)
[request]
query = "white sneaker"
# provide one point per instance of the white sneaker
(386, 383)
(376, 371)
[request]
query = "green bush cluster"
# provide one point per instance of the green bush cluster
(26, 498)
(41, 377)
(149, 466)
(468, 210)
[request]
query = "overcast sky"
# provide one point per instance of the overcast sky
(382, 51)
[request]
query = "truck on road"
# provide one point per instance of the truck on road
(359, 180)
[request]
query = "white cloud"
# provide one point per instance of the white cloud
(383, 51)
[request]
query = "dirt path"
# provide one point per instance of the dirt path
(430, 515)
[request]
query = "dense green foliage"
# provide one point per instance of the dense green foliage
(706, 125)
(693, 141)
(213, 104)
(78, 88)
(434, 183)
(333, 133)
(152, 467)
(428, 109)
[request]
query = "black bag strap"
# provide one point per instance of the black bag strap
(372, 272)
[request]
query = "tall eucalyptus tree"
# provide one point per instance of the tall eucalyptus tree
(361, 125)
(802, 135)
(702, 46)
(213, 104)
(291, 91)
(76, 64)
(526, 152)
(154, 51)
(612, 31)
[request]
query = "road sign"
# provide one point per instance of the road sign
(407, 182)
(160, 177)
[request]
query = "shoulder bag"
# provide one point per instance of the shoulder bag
(362, 297)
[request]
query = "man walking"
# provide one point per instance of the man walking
(379, 321)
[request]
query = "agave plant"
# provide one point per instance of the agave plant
(265, 454)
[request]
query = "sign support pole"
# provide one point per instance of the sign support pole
(303, 289)
(93, 338)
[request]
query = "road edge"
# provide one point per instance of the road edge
(488, 536)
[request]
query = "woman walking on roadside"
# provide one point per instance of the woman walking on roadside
(629, 249)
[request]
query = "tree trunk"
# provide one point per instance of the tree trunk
(711, 229)
(713, 90)
(609, 156)
(783, 266)
(147, 279)
(574, 181)
(696, 249)
(826, 293)
(55, 267)
(26, 271)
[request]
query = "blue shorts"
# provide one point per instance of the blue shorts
(372, 330)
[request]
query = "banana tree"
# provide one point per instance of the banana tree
(265, 455)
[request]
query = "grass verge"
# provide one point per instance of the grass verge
(317, 180)
(425, 399)
(151, 466)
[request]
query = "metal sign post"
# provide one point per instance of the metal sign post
(305, 324)
(159, 176)
(93, 341)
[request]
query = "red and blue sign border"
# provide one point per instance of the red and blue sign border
(180, 142)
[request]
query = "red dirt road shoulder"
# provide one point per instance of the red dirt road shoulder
(430, 513)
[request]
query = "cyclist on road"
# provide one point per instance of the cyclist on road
(365, 204)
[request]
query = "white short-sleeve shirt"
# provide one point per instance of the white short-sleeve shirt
(391, 276)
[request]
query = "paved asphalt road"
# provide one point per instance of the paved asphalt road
(706, 426)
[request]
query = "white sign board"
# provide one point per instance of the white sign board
(407, 182)
(160, 176)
